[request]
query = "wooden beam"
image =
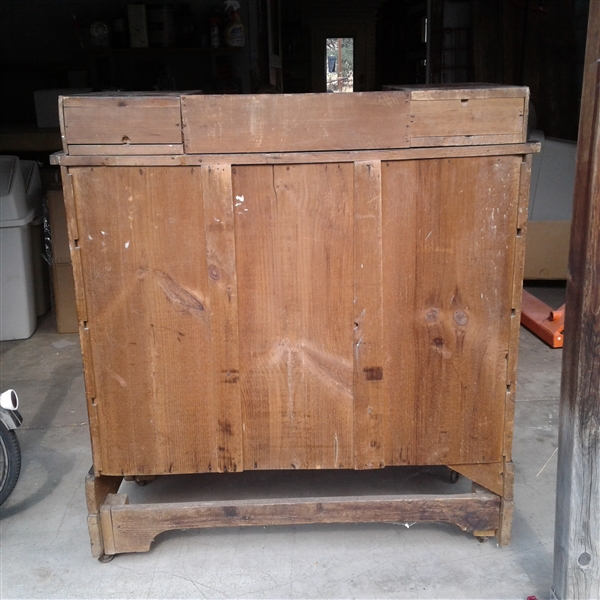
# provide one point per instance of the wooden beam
(132, 527)
(577, 534)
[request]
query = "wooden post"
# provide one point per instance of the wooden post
(577, 534)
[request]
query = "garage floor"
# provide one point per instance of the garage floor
(45, 546)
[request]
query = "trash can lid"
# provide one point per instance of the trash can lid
(14, 210)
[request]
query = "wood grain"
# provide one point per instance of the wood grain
(461, 91)
(149, 320)
(107, 527)
(98, 488)
(467, 139)
(369, 358)
(134, 527)
(292, 123)
(447, 306)
(577, 534)
(126, 149)
(119, 119)
(222, 289)
(294, 229)
(495, 477)
(516, 294)
(268, 158)
(473, 117)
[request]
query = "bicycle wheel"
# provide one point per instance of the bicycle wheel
(10, 461)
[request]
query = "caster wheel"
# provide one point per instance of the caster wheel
(483, 539)
(453, 476)
(144, 479)
(106, 558)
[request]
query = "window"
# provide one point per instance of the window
(339, 64)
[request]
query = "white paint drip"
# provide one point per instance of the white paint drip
(126, 244)
(240, 200)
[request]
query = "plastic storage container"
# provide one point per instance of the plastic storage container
(17, 291)
(35, 199)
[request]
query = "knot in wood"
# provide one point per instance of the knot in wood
(213, 273)
(432, 315)
(460, 317)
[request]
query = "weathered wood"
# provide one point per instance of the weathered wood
(122, 120)
(464, 140)
(219, 124)
(448, 306)
(467, 117)
(491, 476)
(222, 290)
(98, 488)
(577, 535)
(82, 312)
(520, 228)
(507, 510)
(95, 533)
(295, 158)
(107, 527)
(156, 303)
(134, 527)
(369, 356)
(461, 91)
(253, 306)
(125, 149)
(115, 99)
(295, 282)
(96, 491)
(70, 211)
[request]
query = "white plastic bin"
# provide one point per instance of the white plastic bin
(17, 292)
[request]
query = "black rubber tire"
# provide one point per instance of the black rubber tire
(10, 461)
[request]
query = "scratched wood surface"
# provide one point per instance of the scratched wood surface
(340, 309)
(369, 385)
(294, 122)
(577, 535)
(148, 303)
(467, 117)
(449, 229)
(294, 229)
(121, 120)
(344, 315)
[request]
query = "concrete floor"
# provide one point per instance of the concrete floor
(45, 546)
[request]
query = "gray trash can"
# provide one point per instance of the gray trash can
(17, 292)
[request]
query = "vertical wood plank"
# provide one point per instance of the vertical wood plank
(143, 252)
(71, 211)
(447, 273)
(520, 238)
(295, 278)
(577, 534)
(369, 390)
(222, 288)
